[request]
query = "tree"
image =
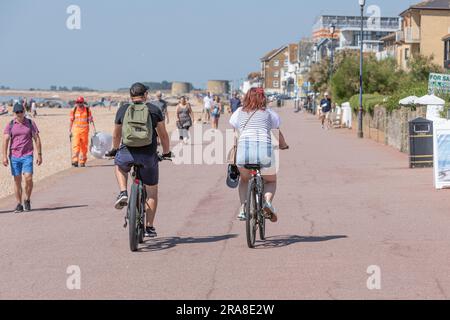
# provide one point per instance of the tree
(421, 67)
(319, 75)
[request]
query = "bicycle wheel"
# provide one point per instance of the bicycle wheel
(261, 216)
(262, 223)
(141, 216)
(133, 217)
(251, 214)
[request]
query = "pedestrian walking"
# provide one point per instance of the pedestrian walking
(185, 117)
(162, 105)
(215, 113)
(325, 105)
(80, 120)
(18, 151)
(207, 105)
(33, 109)
(235, 103)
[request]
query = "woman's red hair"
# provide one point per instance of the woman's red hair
(255, 99)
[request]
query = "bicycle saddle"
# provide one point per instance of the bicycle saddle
(252, 166)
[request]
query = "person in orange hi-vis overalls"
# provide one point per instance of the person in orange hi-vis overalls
(80, 119)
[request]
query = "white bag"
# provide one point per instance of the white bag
(101, 143)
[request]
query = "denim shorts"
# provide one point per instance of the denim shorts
(150, 164)
(255, 152)
(23, 165)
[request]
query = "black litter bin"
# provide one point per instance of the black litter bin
(421, 143)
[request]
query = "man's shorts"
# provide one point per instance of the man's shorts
(326, 115)
(23, 165)
(150, 164)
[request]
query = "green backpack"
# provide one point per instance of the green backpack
(137, 127)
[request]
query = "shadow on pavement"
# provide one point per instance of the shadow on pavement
(160, 244)
(100, 166)
(284, 241)
(48, 209)
(59, 208)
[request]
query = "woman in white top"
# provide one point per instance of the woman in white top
(255, 122)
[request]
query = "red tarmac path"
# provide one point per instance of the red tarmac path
(344, 205)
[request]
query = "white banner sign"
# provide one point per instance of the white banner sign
(442, 154)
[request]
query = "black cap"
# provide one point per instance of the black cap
(233, 176)
(138, 90)
(18, 108)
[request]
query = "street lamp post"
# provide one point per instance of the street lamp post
(332, 31)
(362, 3)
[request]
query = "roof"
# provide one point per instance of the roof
(273, 53)
(430, 5)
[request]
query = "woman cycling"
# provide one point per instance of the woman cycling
(255, 122)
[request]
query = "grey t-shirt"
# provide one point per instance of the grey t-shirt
(162, 105)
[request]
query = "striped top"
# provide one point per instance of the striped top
(258, 128)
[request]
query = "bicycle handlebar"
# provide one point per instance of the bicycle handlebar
(165, 157)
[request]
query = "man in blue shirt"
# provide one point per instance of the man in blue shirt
(325, 105)
(235, 103)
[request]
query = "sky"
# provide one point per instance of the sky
(123, 41)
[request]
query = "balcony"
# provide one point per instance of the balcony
(368, 46)
(408, 35)
(386, 54)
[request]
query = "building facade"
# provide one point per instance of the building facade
(347, 34)
(425, 27)
(278, 69)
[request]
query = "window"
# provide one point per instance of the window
(276, 84)
(447, 54)
(447, 50)
(276, 74)
(406, 54)
(286, 62)
(276, 63)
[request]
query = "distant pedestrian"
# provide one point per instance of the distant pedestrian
(185, 117)
(235, 103)
(215, 113)
(80, 119)
(207, 105)
(326, 105)
(18, 150)
(162, 105)
(34, 109)
(3, 109)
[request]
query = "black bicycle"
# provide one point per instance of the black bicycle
(254, 213)
(136, 212)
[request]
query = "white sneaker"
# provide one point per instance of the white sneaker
(241, 215)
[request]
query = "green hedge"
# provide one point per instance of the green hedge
(369, 101)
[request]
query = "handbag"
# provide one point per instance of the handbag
(232, 154)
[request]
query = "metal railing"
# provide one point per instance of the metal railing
(408, 35)
(355, 22)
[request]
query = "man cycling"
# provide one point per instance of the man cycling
(146, 156)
